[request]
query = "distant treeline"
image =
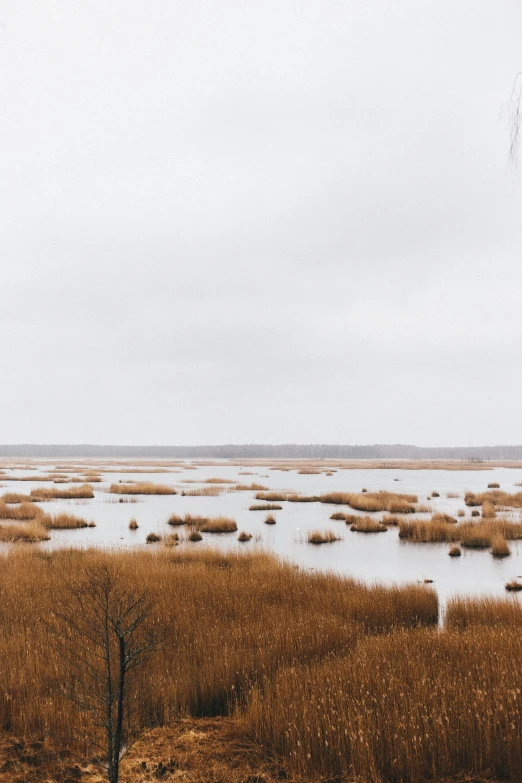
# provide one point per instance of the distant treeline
(249, 450)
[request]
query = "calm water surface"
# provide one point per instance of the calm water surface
(373, 558)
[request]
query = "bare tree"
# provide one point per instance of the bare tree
(103, 632)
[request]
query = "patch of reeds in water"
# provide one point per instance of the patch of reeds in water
(499, 547)
(496, 497)
(83, 492)
(322, 537)
(367, 525)
(269, 519)
(142, 488)
(243, 536)
(218, 525)
(28, 532)
(64, 521)
(23, 511)
(265, 507)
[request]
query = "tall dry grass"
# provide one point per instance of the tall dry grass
(466, 612)
(230, 620)
(84, 491)
(142, 488)
(496, 496)
(406, 707)
(28, 532)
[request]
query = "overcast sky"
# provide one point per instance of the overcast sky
(235, 221)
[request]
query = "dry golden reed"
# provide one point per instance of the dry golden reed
(229, 619)
(408, 707)
(142, 488)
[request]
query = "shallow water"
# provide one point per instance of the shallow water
(381, 557)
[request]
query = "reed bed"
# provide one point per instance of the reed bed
(473, 535)
(499, 547)
(218, 525)
(272, 496)
(455, 551)
(23, 511)
(428, 532)
(265, 507)
(322, 537)
(392, 502)
(497, 497)
(142, 488)
(83, 492)
(400, 709)
(367, 525)
(29, 533)
(212, 491)
(64, 521)
(270, 519)
(466, 612)
(248, 488)
(243, 536)
(230, 620)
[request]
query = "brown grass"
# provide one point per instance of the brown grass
(439, 517)
(488, 509)
(24, 511)
(399, 708)
(493, 485)
(367, 525)
(390, 521)
(195, 536)
(455, 551)
(514, 586)
(230, 621)
(212, 491)
(244, 536)
(29, 533)
(217, 525)
(64, 521)
(463, 613)
(496, 497)
(270, 519)
(322, 537)
(248, 488)
(142, 488)
(265, 507)
(392, 502)
(499, 547)
(272, 496)
(473, 535)
(427, 532)
(153, 538)
(84, 491)
(133, 525)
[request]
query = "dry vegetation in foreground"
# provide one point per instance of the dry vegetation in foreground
(322, 678)
(400, 709)
(229, 619)
(142, 488)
